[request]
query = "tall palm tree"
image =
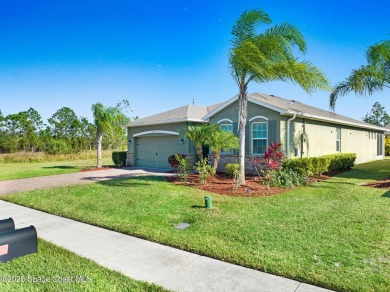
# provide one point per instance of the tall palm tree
(198, 134)
(218, 140)
(264, 57)
(106, 119)
(366, 80)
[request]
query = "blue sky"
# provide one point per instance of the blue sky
(162, 54)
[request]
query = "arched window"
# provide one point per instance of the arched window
(226, 125)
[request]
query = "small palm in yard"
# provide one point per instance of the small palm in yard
(375, 76)
(197, 134)
(218, 140)
(107, 120)
(264, 57)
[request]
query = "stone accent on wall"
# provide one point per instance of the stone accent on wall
(191, 158)
(226, 159)
(130, 159)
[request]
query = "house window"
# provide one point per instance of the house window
(227, 128)
(259, 138)
(379, 144)
(338, 139)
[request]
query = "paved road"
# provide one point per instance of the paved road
(144, 260)
(44, 182)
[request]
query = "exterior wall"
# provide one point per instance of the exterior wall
(254, 110)
(186, 147)
(314, 138)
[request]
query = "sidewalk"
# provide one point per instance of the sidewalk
(60, 180)
(144, 260)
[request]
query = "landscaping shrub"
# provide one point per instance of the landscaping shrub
(319, 165)
(184, 167)
(313, 166)
(302, 165)
(119, 157)
(204, 170)
(231, 169)
(173, 162)
(387, 145)
(341, 161)
(283, 178)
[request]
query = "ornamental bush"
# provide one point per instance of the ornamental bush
(313, 166)
(341, 161)
(283, 178)
(184, 167)
(119, 158)
(231, 169)
(204, 170)
(173, 162)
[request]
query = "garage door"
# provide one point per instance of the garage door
(153, 151)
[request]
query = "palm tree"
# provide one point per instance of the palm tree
(198, 134)
(218, 140)
(106, 119)
(366, 80)
(265, 57)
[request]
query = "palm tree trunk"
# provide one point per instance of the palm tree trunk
(199, 151)
(217, 156)
(242, 116)
(99, 150)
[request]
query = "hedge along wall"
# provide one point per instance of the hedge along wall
(313, 166)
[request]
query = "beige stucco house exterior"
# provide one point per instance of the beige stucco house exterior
(303, 131)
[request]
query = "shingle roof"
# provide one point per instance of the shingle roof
(196, 113)
(187, 113)
(291, 106)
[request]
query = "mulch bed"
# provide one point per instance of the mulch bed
(222, 184)
(379, 184)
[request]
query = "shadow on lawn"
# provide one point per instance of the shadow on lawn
(386, 195)
(60, 167)
(125, 181)
(376, 170)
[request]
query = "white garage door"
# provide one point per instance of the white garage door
(153, 151)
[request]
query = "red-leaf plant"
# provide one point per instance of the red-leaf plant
(272, 159)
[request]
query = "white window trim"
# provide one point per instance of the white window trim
(258, 117)
(339, 140)
(227, 124)
(266, 139)
(156, 132)
(225, 120)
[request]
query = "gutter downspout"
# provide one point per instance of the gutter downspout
(288, 135)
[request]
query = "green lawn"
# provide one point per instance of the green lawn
(33, 169)
(44, 270)
(334, 234)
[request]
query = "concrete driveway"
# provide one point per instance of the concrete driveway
(44, 182)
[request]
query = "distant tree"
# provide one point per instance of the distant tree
(65, 124)
(88, 132)
(22, 130)
(218, 140)
(377, 116)
(106, 119)
(264, 57)
(373, 77)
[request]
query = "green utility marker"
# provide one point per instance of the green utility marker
(208, 203)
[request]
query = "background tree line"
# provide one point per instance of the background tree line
(63, 133)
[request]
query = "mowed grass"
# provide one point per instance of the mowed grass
(334, 234)
(34, 169)
(56, 269)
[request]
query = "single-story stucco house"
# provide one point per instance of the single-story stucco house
(303, 131)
